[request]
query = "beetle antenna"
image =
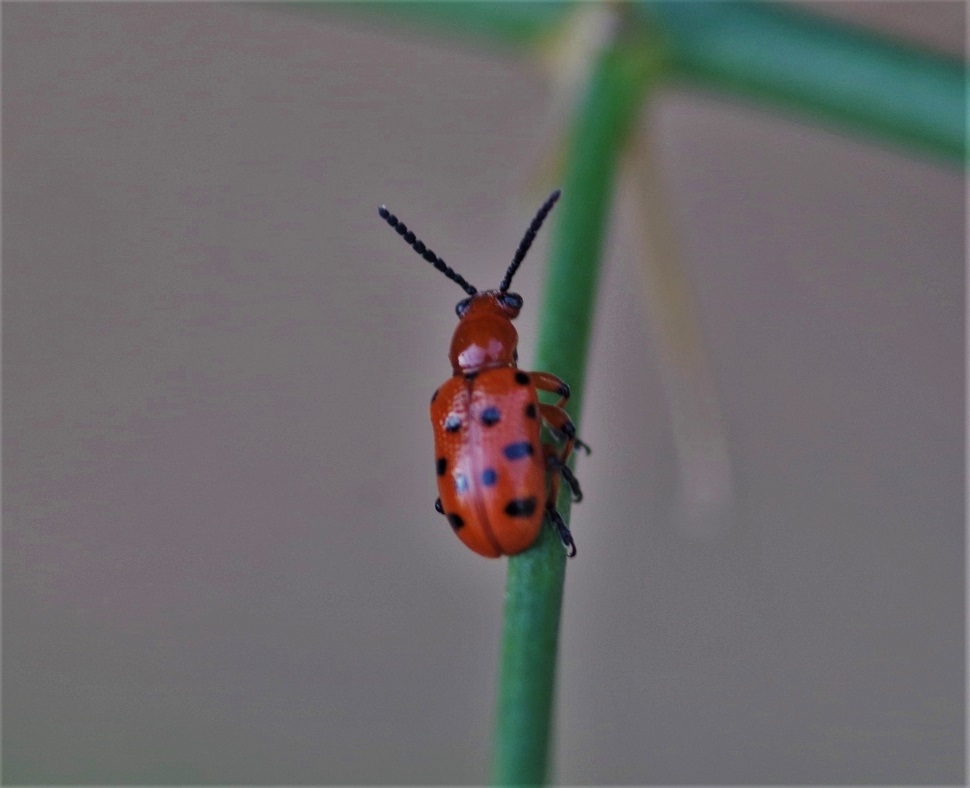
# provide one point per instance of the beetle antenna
(527, 239)
(424, 251)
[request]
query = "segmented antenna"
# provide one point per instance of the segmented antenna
(424, 251)
(527, 239)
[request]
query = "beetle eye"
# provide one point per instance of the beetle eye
(512, 301)
(462, 306)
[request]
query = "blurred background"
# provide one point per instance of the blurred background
(221, 563)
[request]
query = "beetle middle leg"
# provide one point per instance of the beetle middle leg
(560, 423)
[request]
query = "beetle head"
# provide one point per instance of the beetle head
(485, 336)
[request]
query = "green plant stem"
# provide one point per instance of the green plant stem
(783, 56)
(869, 83)
(533, 596)
(491, 22)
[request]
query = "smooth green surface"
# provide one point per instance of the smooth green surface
(849, 76)
(494, 22)
(533, 597)
(870, 84)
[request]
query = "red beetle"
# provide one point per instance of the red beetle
(490, 461)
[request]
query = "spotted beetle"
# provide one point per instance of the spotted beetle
(491, 464)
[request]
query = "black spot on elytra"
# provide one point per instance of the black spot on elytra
(437, 507)
(489, 477)
(455, 520)
(521, 507)
(441, 466)
(452, 423)
(530, 410)
(490, 416)
(461, 482)
(516, 451)
(522, 378)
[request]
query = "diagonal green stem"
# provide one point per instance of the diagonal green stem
(533, 596)
(846, 75)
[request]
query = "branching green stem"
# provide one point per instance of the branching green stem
(778, 56)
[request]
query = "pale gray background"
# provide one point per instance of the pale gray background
(220, 557)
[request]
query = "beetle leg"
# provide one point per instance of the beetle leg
(553, 459)
(569, 430)
(554, 462)
(546, 381)
(557, 418)
(558, 421)
(565, 536)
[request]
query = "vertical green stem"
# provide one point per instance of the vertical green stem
(533, 596)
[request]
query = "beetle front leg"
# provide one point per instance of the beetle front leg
(546, 381)
(555, 415)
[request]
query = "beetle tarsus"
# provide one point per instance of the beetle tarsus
(558, 465)
(568, 432)
(565, 536)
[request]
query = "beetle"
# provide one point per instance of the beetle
(490, 461)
